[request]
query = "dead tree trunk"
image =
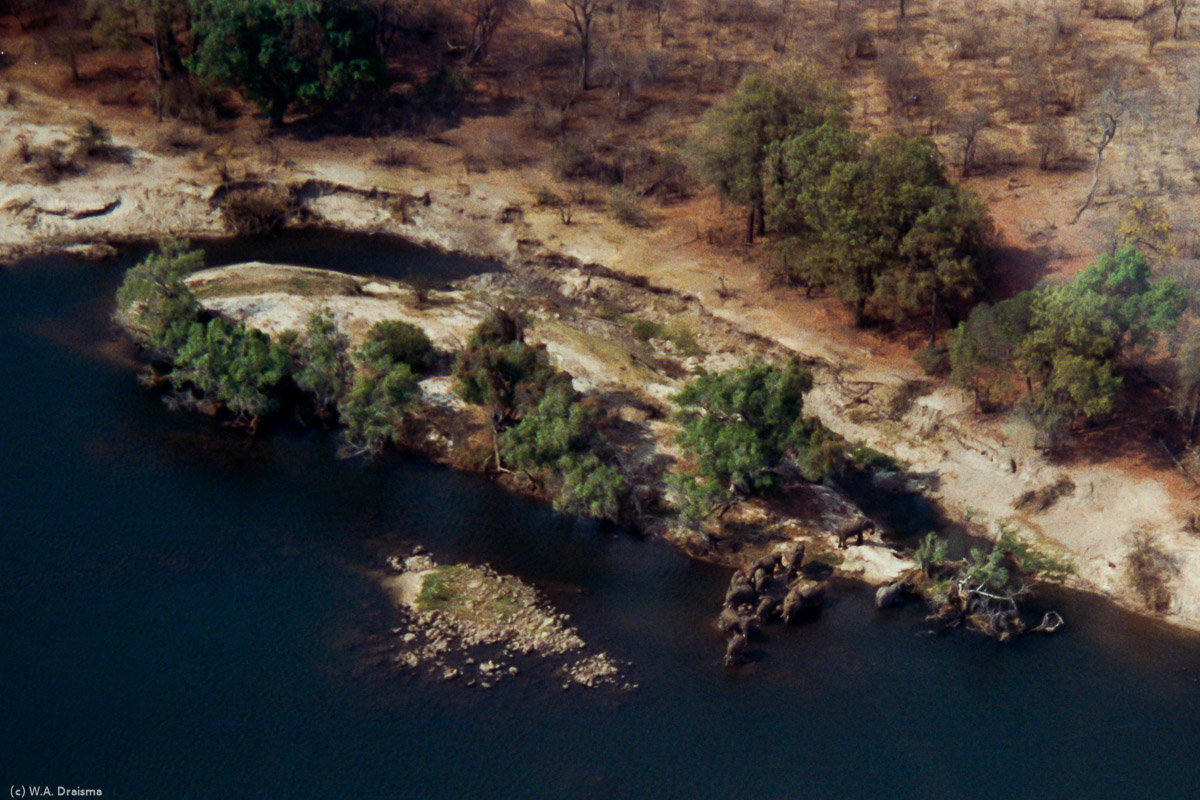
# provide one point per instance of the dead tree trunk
(1107, 132)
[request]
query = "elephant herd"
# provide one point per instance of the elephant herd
(772, 588)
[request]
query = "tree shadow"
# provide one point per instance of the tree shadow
(1012, 269)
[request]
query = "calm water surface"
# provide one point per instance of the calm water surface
(178, 605)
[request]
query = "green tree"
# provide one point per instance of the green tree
(982, 347)
(591, 488)
(374, 408)
(695, 497)
(499, 370)
(558, 425)
(395, 341)
(1140, 307)
(1067, 341)
(799, 167)
(740, 425)
(319, 52)
(932, 552)
(153, 302)
(557, 442)
(324, 367)
(1069, 355)
(887, 230)
(236, 366)
(768, 108)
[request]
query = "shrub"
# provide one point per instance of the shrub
(392, 342)
(546, 198)
(233, 365)
(1150, 571)
(499, 370)
(395, 155)
(870, 458)
(374, 409)
(324, 370)
(572, 160)
(741, 424)
(646, 329)
(257, 211)
(153, 303)
(681, 335)
(443, 93)
(500, 327)
(931, 553)
(934, 359)
(1030, 560)
(92, 138)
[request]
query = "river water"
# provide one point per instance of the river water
(181, 607)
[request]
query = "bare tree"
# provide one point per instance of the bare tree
(660, 9)
(1049, 141)
(628, 72)
(390, 16)
(486, 18)
(1155, 26)
(67, 41)
(968, 128)
(1104, 123)
(1177, 8)
(579, 16)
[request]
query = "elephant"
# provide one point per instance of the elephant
(794, 561)
(802, 600)
(854, 529)
(760, 579)
(735, 650)
(740, 592)
(767, 608)
(729, 621)
(767, 563)
(891, 595)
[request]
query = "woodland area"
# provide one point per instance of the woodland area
(853, 149)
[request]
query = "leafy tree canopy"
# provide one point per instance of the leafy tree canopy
(1140, 307)
(324, 368)
(498, 369)
(591, 488)
(558, 441)
(557, 426)
(741, 424)
(1066, 341)
(154, 304)
(394, 341)
(767, 108)
(319, 52)
(374, 409)
(883, 229)
(233, 365)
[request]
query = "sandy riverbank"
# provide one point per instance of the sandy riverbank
(982, 467)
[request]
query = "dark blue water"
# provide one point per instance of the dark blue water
(180, 607)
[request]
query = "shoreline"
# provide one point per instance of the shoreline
(981, 465)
